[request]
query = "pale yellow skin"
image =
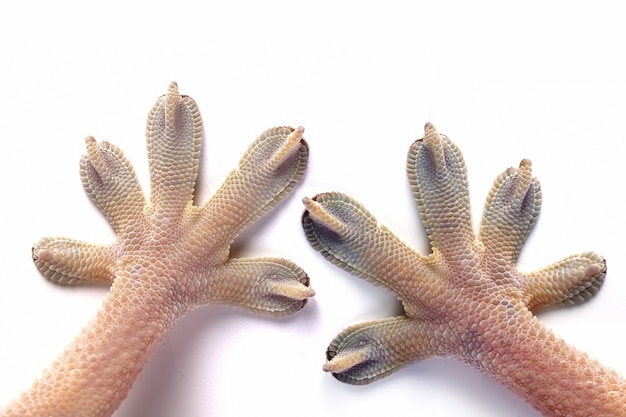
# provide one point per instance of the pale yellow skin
(466, 299)
(169, 256)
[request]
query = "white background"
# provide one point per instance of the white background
(534, 80)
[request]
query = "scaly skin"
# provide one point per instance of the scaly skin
(466, 299)
(169, 256)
